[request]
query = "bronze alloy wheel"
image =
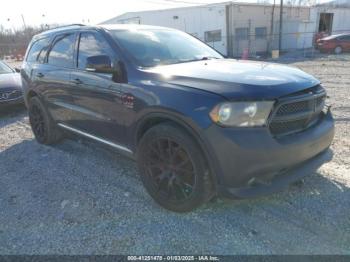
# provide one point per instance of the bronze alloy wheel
(171, 170)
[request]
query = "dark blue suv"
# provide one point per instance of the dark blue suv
(198, 124)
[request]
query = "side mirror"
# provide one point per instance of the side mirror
(17, 70)
(99, 64)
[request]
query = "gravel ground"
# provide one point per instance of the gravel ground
(81, 198)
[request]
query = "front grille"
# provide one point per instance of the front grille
(283, 127)
(9, 94)
(297, 113)
(293, 108)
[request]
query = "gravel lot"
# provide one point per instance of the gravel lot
(81, 198)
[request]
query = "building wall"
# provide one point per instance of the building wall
(299, 26)
(341, 19)
(200, 19)
(260, 16)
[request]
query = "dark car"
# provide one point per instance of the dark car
(198, 124)
(334, 44)
(10, 86)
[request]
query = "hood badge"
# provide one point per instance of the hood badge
(5, 96)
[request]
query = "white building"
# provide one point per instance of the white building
(231, 27)
(205, 22)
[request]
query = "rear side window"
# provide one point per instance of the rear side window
(62, 51)
(37, 49)
(92, 44)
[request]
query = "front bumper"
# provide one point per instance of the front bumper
(12, 102)
(251, 162)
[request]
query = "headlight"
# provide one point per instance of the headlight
(244, 114)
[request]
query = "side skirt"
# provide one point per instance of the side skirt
(98, 139)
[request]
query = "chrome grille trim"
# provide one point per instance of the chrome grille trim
(6, 95)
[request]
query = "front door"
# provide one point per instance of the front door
(54, 76)
(97, 97)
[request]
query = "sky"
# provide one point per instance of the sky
(38, 12)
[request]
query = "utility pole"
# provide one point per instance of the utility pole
(271, 38)
(281, 27)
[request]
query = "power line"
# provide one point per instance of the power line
(183, 2)
(159, 2)
(186, 2)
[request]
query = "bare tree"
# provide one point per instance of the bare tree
(14, 42)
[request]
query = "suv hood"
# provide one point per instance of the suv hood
(235, 79)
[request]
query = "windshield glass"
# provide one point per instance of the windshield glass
(4, 69)
(152, 47)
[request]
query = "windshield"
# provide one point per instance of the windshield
(5, 69)
(152, 47)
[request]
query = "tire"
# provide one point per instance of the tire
(173, 169)
(45, 130)
(338, 50)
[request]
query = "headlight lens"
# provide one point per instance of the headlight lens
(242, 114)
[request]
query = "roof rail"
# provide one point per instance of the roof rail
(62, 26)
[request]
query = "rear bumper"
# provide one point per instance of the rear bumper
(245, 158)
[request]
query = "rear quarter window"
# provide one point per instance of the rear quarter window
(37, 49)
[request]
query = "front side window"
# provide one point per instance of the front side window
(152, 47)
(212, 36)
(62, 51)
(37, 49)
(92, 44)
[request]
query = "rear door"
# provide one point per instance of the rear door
(33, 64)
(55, 76)
(97, 96)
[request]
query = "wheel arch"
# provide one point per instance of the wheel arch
(30, 95)
(190, 128)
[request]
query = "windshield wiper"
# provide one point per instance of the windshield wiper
(208, 57)
(195, 59)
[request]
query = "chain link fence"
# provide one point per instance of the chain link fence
(252, 42)
(248, 41)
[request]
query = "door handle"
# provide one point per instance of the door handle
(40, 75)
(76, 81)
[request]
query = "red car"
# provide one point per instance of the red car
(334, 43)
(319, 36)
